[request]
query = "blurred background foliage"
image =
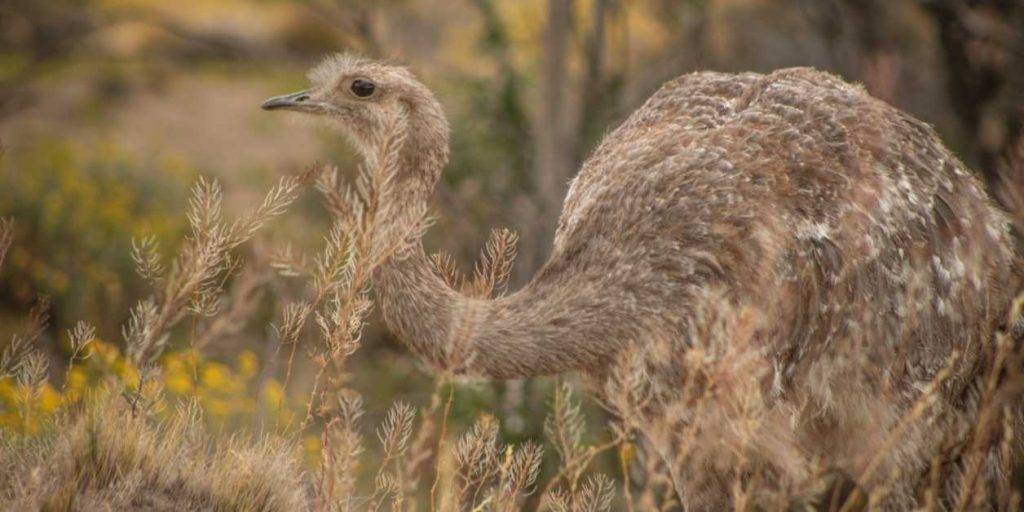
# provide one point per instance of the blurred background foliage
(109, 109)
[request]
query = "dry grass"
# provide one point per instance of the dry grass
(113, 452)
(107, 458)
(6, 238)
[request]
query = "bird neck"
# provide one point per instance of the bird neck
(548, 327)
(416, 303)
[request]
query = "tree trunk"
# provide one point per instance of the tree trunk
(555, 128)
(983, 52)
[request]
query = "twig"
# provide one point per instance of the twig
(440, 443)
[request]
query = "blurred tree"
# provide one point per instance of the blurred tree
(44, 30)
(34, 32)
(878, 62)
(355, 21)
(556, 128)
(510, 115)
(983, 47)
(194, 42)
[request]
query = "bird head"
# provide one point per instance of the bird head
(366, 98)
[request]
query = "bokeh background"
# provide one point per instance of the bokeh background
(110, 109)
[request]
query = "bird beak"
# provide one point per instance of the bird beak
(299, 101)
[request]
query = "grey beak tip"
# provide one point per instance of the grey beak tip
(286, 101)
(274, 103)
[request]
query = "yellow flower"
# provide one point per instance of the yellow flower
(49, 400)
(273, 394)
(178, 382)
(78, 378)
(103, 353)
(311, 446)
(217, 407)
(128, 373)
(248, 364)
(8, 393)
(626, 453)
(215, 376)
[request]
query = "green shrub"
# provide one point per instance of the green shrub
(77, 210)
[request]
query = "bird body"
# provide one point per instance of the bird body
(792, 218)
(778, 246)
(830, 212)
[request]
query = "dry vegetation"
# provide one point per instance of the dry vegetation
(6, 237)
(119, 448)
(108, 457)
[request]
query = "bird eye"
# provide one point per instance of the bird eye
(362, 88)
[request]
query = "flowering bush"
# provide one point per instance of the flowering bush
(229, 395)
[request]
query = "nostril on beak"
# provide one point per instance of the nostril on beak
(304, 97)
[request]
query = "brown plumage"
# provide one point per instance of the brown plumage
(785, 244)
